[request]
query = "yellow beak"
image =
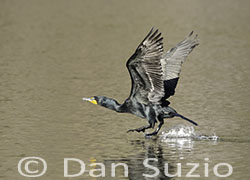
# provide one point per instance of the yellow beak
(92, 100)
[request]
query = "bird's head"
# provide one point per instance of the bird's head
(93, 100)
(105, 102)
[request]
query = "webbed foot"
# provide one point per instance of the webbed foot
(141, 129)
(137, 130)
(151, 134)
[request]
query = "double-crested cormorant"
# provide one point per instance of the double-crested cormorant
(154, 77)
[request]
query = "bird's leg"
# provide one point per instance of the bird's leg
(158, 128)
(141, 129)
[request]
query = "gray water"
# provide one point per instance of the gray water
(53, 53)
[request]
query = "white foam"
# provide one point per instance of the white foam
(187, 132)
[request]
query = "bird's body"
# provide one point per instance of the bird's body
(154, 76)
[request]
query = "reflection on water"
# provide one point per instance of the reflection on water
(167, 151)
(151, 150)
(178, 140)
(154, 154)
(137, 165)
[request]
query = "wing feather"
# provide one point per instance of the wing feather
(172, 62)
(145, 69)
(174, 58)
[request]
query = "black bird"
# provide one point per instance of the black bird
(154, 77)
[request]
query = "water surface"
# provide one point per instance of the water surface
(52, 53)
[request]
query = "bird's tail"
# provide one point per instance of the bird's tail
(179, 115)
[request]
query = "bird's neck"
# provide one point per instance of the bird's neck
(112, 104)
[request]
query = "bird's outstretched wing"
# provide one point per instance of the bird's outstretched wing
(173, 60)
(145, 70)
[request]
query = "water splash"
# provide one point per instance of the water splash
(186, 132)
